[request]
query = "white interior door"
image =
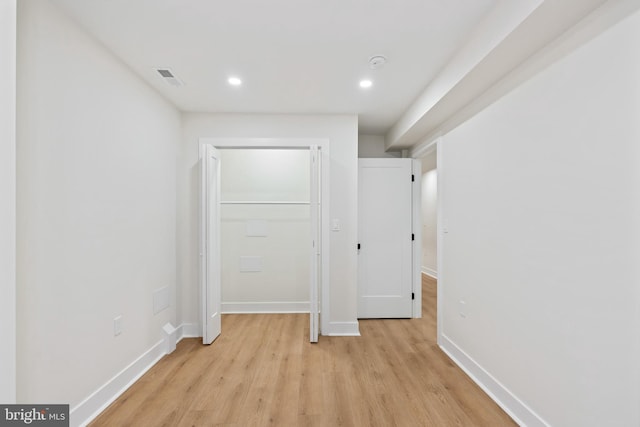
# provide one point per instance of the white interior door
(315, 270)
(385, 238)
(210, 279)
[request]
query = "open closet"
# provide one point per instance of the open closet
(263, 232)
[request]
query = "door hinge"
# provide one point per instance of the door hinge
(413, 295)
(413, 178)
(413, 236)
(358, 246)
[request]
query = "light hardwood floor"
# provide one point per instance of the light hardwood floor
(262, 371)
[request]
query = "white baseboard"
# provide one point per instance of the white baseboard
(265, 307)
(343, 329)
(189, 330)
(430, 272)
(518, 410)
(83, 413)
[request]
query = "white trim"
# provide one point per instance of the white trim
(440, 170)
(343, 329)
(8, 322)
(416, 244)
(263, 202)
(430, 272)
(265, 307)
(189, 330)
(87, 410)
(300, 143)
(316, 249)
(325, 235)
(514, 407)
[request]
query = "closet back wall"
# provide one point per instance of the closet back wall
(265, 230)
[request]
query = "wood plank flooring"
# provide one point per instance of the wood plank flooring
(262, 371)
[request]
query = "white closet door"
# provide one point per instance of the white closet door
(315, 270)
(385, 238)
(210, 283)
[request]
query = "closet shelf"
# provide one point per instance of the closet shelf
(262, 202)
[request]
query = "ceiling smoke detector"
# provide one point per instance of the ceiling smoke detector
(377, 61)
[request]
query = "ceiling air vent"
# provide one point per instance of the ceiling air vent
(168, 76)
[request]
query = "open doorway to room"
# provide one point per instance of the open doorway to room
(429, 240)
(429, 212)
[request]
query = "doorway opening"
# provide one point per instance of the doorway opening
(433, 228)
(251, 223)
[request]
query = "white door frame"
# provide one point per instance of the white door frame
(441, 231)
(316, 247)
(416, 222)
(323, 152)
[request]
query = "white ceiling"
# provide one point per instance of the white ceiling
(294, 56)
(445, 57)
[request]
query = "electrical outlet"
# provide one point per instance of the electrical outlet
(117, 326)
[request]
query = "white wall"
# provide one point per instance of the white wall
(429, 211)
(8, 201)
(540, 195)
(265, 175)
(276, 233)
(372, 146)
(341, 130)
(96, 209)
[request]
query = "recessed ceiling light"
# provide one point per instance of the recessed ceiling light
(234, 81)
(366, 84)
